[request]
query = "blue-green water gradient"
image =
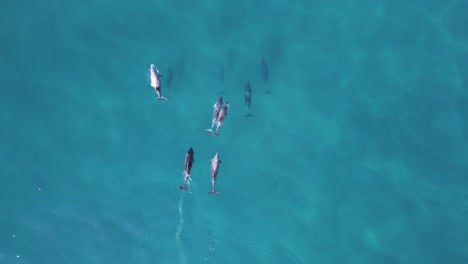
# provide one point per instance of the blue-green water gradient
(359, 155)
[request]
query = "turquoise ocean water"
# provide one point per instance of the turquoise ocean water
(359, 156)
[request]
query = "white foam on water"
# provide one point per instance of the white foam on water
(180, 227)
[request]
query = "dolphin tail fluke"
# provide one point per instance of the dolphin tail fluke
(212, 132)
(162, 98)
(249, 115)
(184, 187)
(213, 191)
(268, 92)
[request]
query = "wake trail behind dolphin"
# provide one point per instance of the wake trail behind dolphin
(180, 227)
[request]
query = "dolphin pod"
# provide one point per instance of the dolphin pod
(219, 114)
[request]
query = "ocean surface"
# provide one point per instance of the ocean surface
(359, 154)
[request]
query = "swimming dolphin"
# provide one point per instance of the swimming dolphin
(248, 97)
(155, 81)
(265, 75)
(189, 159)
(216, 108)
(215, 161)
(222, 114)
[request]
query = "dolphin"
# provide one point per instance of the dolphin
(189, 159)
(248, 97)
(216, 108)
(265, 75)
(222, 114)
(155, 81)
(215, 161)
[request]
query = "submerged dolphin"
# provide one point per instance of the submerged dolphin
(265, 75)
(248, 97)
